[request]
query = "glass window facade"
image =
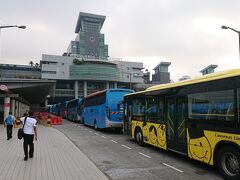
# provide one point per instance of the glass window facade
(90, 26)
(94, 71)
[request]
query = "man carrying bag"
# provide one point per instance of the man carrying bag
(29, 130)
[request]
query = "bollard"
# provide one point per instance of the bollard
(17, 122)
(49, 121)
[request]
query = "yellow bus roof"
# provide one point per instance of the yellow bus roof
(204, 78)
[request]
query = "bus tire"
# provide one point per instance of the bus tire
(139, 137)
(228, 162)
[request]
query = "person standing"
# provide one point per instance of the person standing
(30, 129)
(9, 122)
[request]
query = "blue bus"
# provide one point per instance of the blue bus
(104, 109)
(50, 109)
(56, 109)
(73, 110)
(63, 109)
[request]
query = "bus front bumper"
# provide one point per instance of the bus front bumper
(113, 124)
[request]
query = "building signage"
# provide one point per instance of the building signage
(92, 45)
(3, 87)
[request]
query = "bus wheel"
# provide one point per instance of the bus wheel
(228, 162)
(139, 137)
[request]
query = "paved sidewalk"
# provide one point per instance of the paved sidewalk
(55, 157)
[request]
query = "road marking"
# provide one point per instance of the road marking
(173, 167)
(126, 146)
(90, 131)
(144, 155)
(113, 141)
(96, 134)
(103, 136)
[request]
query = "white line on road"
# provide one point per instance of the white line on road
(173, 167)
(144, 155)
(113, 141)
(103, 136)
(96, 134)
(126, 146)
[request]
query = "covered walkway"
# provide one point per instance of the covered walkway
(55, 157)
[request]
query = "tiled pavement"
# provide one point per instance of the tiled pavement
(55, 158)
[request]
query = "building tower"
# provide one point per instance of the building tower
(161, 75)
(89, 42)
(209, 69)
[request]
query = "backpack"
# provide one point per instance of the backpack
(9, 120)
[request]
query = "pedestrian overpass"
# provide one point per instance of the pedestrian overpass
(18, 95)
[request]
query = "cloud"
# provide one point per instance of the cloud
(185, 32)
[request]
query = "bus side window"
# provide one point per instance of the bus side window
(154, 110)
(230, 113)
(216, 106)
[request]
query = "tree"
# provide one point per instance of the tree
(36, 65)
(77, 61)
(31, 63)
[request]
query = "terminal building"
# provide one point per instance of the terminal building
(86, 67)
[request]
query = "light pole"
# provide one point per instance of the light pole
(21, 27)
(226, 27)
(9, 26)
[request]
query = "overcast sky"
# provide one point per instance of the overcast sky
(186, 33)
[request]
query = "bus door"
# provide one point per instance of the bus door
(127, 124)
(176, 131)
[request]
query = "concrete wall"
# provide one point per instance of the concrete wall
(58, 64)
(130, 71)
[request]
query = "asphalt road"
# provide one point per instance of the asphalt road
(119, 157)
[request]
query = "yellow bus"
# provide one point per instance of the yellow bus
(199, 118)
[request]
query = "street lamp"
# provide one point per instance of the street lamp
(21, 27)
(9, 26)
(226, 27)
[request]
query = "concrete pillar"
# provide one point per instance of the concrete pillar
(85, 88)
(115, 84)
(76, 89)
(20, 109)
(16, 108)
(46, 103)
(6, 107)
(54, 90)
(107, 85)
(24, 108)
(13, 107)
